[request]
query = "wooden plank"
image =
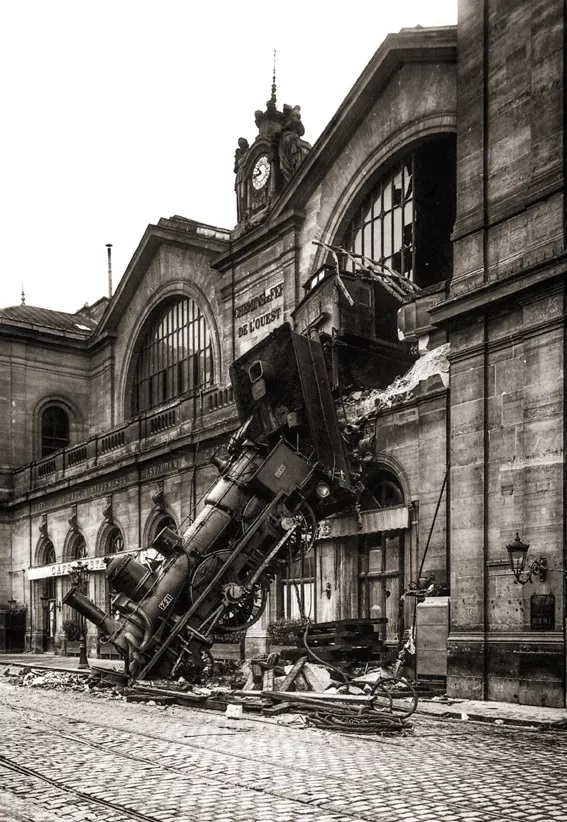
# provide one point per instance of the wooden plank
(288, 681)
(312, 678)
(280, 708)
(311, 698)
(268, 680)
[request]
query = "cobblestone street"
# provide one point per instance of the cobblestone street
(72, 756)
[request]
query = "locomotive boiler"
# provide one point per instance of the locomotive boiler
(284, 470)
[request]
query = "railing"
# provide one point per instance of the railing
(189, 410)
(46, 468)
(161, 422)
(111, 442)
(77, 455)
(220, 398)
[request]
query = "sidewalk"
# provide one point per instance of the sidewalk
(506, 713)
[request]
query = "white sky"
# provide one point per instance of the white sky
(119, 112)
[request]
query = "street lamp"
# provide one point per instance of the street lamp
(80, 577)
(517, 551)
(12, 604)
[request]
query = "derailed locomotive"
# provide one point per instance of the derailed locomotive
(284, 470)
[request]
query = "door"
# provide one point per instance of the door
(380, 570)
(50, 626)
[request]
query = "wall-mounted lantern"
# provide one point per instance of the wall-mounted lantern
(517, 551)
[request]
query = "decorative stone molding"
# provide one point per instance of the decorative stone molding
(107, 510)
(158, 497)
(73, 519)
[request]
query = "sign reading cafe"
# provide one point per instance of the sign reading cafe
(62, 569)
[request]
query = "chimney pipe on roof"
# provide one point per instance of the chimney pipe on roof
(109, 252)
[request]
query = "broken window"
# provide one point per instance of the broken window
(405, 221)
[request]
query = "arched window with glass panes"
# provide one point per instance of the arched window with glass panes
(54, 430)
(404, 221)
(174, 355)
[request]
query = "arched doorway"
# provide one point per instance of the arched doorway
(110, 541)
(47, 598)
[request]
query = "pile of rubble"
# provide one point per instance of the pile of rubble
(26, 677)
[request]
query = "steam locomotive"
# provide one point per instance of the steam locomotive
(285, 469)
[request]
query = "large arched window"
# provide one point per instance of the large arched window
(54, 430)
(174, 357)
(405, 220)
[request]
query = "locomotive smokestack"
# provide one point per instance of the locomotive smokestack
(109, 254)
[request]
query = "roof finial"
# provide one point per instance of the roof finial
(273, 97)
(23, 295)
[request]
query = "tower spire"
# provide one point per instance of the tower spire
(273, 97)
(23, 295)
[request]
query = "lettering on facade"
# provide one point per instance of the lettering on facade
(542, 612)
(61, 569)
(98, 490)
(161, 468)
(266, 318)
(256, 302)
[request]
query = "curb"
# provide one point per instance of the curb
(535, 724)
(54, 669)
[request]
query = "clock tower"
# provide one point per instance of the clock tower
(264, 168)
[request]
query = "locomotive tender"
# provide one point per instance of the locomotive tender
(284, 471)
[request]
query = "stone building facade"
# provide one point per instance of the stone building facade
(437, 192)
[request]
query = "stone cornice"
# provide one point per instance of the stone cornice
(13, 331)
(123, 461)
(491, 293)
(505, 342)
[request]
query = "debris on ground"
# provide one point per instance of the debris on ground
(266, 684)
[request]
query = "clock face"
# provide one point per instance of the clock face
(260, 172)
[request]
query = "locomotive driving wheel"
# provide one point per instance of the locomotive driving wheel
(243, 608)
(243, 604)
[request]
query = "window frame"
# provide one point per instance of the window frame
(376, 214)
(58, 443)
(174, 355)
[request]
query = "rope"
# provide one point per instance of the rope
(348, 720)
